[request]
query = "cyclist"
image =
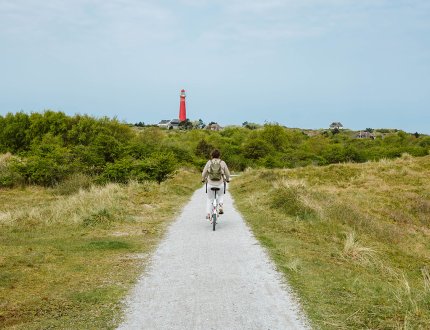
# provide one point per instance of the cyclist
(215, 174)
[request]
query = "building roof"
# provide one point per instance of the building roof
(172, 122)
(365, 134)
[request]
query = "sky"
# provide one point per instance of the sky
(300, 63)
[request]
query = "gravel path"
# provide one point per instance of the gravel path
(200, 279)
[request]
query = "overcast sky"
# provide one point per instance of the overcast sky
(301, 63)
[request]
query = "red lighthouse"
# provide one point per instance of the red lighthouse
(182, 109)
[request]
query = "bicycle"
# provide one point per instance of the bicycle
(214, 210)
(215, 206)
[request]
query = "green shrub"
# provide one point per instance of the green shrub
(204, 149)
(53, 147)
(275, 135)
(88, 160)
(256, 148)
(334, 154)
(42, 171)
(234, 161)
(120, 171)
(48, 162)
(181, 153)
(13, 132)
(9, 177)
(290, 201)
(425, 142)
(107, 147)
(272, 161)
(159, 167)
(73, 183)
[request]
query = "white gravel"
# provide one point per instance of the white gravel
(201, 279)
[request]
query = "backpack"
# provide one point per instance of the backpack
(215, 171)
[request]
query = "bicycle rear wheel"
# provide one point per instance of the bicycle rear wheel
(214, 221)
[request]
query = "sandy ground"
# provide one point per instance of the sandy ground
(201, 279)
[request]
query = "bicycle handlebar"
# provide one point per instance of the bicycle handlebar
(225, 184)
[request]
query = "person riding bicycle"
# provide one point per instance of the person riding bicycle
(215, 174)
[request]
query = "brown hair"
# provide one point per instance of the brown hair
(215, 153)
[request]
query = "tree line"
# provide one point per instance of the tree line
(50, 147)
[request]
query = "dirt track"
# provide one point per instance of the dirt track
(200, 279)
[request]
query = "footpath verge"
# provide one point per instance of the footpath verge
(352, 239)
(68, 261)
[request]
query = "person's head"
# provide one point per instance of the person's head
(215, 153)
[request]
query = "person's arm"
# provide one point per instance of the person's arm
(226, 172)
(205, 171)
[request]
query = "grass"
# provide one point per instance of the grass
(67, 260)
(352, 239)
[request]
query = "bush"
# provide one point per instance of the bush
(159, 166)
(204, 149)
(74, 184)
(13, 132)
(9, 177)
(234, 162)
(289, 200)
(108, 147)
(48, 162)
(275, 135)
(256, 148)
(272, 161)
(334, 154)
(425, 142)
(87, 160)
(181, 153)
(120, 171)
(42, 171)
(53, 147)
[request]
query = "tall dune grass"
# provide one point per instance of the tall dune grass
(352, 239)
(67, 260)
(71, 209)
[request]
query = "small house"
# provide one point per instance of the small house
(336, 125)
(365, 135)
(213, 127)
(169, 124)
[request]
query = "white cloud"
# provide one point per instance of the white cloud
(123, 22)
(61, 20)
